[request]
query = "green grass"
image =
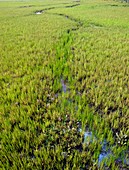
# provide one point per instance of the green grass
(86, 47)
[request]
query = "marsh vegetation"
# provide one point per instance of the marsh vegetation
(64, 85)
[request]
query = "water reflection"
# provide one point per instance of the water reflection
(64, 87)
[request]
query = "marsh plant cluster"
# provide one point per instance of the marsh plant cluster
(64, 73)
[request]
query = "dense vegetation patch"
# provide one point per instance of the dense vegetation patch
(64, 76)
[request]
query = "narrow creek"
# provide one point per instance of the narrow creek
(106, 150)
(106, 153)
(89, 137)
(46, 9)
